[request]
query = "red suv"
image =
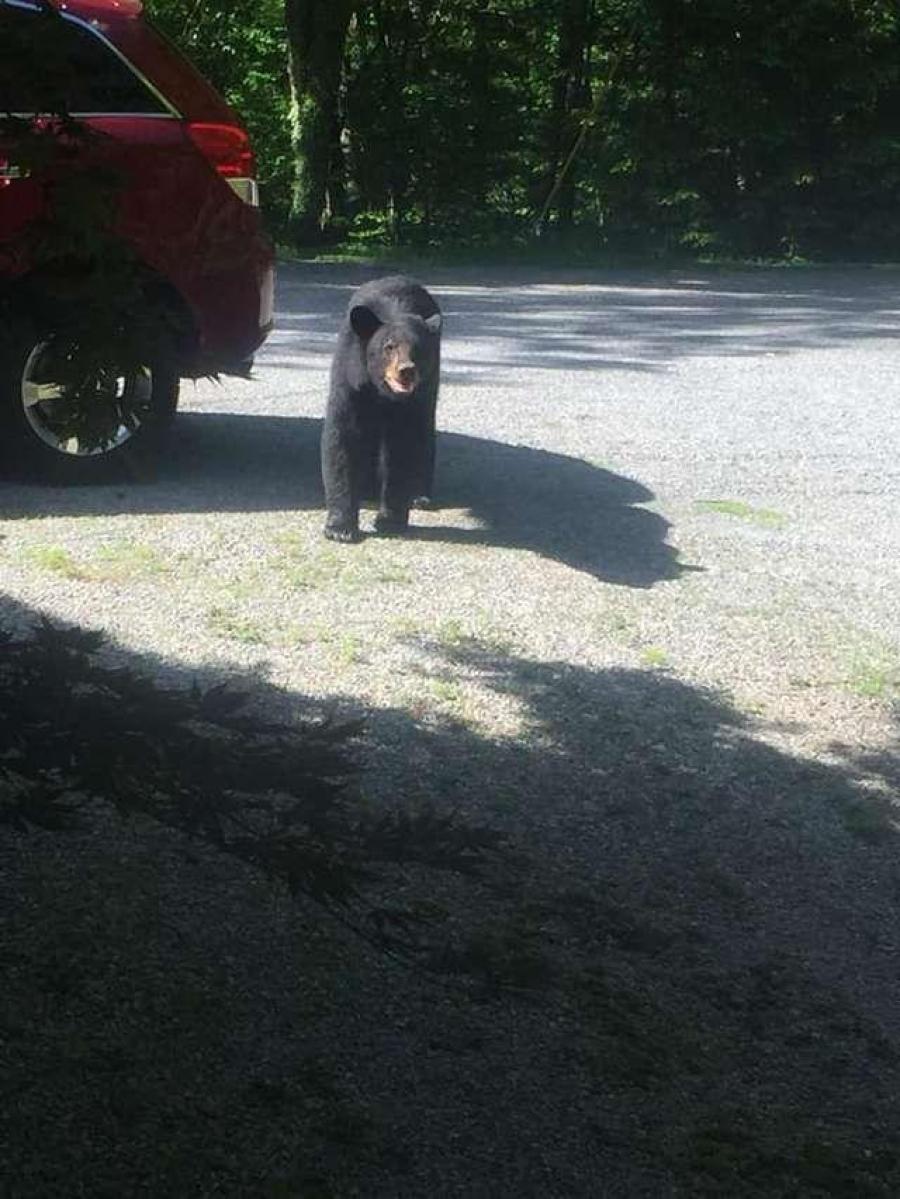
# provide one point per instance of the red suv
(184, 210)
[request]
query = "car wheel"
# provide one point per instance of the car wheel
(75, 415)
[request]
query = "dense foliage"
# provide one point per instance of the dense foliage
(753, 127)
(242, 46)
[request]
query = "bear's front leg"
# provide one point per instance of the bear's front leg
(399, 462)
(339, 527)
(342, 451)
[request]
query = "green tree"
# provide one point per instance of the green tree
(752, 127)
(745, 127)
(439, 116)
(317, 34)
(241, 47)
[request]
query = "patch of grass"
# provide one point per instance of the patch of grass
(229, 623)
(767, 517)
(495, 642)
(370, 240)
(115, 562)
(613, 622)
(626, 1035)
(874, 679)
(296, 635)
(121, 560)
(417, 706)
(57, 560)
(872, 819)
(392, 574)
(350, 568)
(868, 665)
(721, 1147)
(511, 956)
(349, 649)
(405, 626)
(453, 635)
(239, 590)
(736, 1153)
(599, 920)
(655, 657)
(345, 648)
(311, 573)
(447, 691)
(725, 887)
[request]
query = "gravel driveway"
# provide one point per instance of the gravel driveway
(651, 633)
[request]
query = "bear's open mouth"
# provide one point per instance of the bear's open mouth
(402, 385)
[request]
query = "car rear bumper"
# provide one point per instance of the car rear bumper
(234, 319)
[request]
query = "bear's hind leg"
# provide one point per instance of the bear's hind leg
(423, 474)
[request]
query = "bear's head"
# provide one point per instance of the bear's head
(401, 352)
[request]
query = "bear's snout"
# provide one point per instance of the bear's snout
(402, 377)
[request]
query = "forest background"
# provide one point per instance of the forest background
(748, 128)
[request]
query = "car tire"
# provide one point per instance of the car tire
(44, 429)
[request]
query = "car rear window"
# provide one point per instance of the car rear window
(51, 63)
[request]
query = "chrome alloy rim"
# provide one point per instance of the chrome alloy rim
(102, 411)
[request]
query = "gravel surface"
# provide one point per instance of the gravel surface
(651, 634)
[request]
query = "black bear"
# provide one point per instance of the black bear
(380, 419)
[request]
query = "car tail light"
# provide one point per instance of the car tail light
(227, 149)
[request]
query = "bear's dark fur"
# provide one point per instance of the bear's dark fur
(380, 419)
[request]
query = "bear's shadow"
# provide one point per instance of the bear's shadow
(559, 507)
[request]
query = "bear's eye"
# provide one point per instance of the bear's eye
(390, 345)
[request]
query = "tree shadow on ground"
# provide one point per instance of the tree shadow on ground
(559, 507)
(637, 320)
(704, 928)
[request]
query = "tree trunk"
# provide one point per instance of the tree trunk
(570, 97)
(317, 34)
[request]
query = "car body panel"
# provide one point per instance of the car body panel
(185, 222)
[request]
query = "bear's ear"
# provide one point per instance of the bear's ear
(434, 323)
(364, 321)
